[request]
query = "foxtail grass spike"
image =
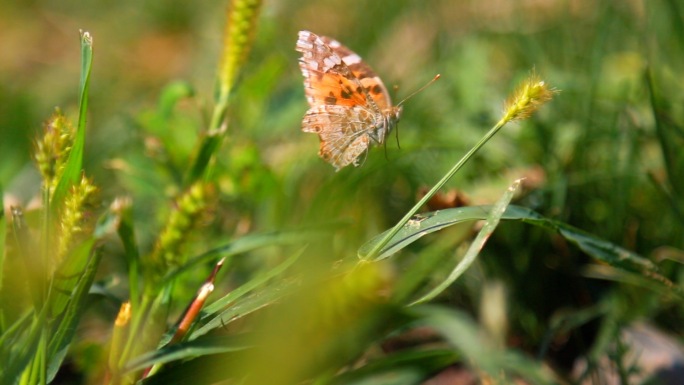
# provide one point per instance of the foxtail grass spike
(52, 149)
(531, 94)
(74, 219)
(241, 20)
(188, 211)
(240, 29)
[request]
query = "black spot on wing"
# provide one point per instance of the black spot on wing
(330, 99)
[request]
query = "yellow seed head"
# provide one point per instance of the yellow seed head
(52, 149)
(74, 218)
(528, 97)
(124, 315)
(119, 335)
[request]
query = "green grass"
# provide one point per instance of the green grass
(190, 130)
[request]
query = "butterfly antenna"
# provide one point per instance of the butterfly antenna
(428, 84)
(395, 91)
(396, 130)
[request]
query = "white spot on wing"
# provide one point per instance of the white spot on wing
(352, 59)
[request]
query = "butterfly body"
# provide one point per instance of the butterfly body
(350, 107)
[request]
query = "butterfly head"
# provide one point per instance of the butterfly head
(390, 120)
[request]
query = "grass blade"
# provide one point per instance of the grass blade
(462, 332)
(74, 165)
(248, 243)
(66, 329)
(474, 250)
(214, 308)
(188, 349)
(593, 246)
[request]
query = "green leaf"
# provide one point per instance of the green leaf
(125, 230)
(423, 224)
(198, 347)
(212, 310)
(593, 246)
(248, 243)
(69, 276)
(66, 327)
(209, 145)
(474, 250)
(74, 165)
(19, 346)
(245, 307)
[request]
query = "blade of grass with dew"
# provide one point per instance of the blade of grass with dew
(593, 246)
(426, 223)
(212, 310)
(188, 349)
(402, 368)
(74, 165)
(463, 333)
(483, 235)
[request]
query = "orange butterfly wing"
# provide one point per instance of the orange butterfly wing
(349, 103)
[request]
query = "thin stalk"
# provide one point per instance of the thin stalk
(379, 246)
(139, 315)
(219, 113)
(527, 98)
(42, 352)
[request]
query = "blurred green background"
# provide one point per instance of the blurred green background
(605, 155)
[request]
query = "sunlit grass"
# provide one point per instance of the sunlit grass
(540, 283)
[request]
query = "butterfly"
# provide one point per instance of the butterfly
(350, 107)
